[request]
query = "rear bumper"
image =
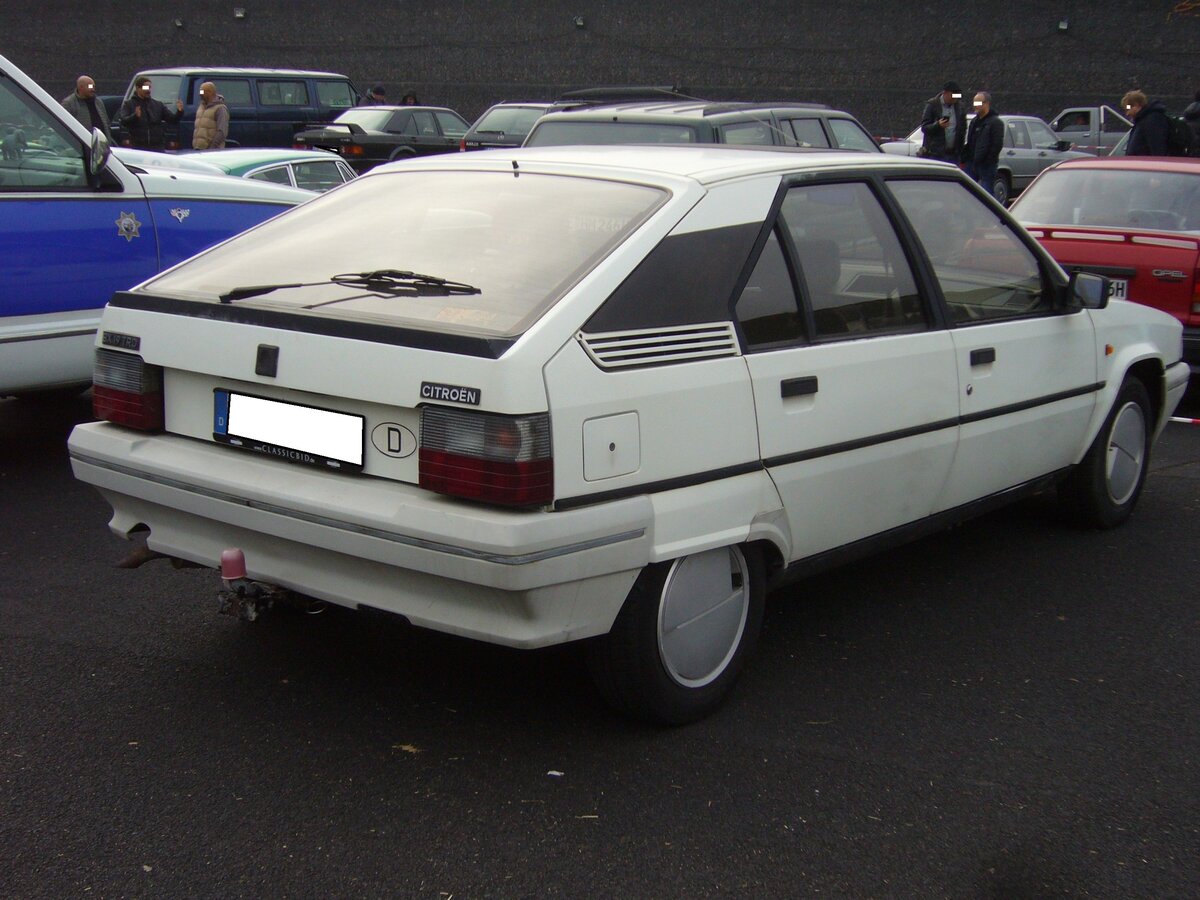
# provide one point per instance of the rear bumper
(524, 579)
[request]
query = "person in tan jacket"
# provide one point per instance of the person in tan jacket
(212, 120)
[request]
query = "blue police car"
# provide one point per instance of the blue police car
(77, 224)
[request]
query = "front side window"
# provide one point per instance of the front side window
(317, 176)
(1080, 120)
(748, 133)
(985, 271)
(521, 241)
(283, 93)
(808, 132)
(1111, 123)
(850, 135)
(37, 152)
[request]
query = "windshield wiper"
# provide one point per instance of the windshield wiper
(387, 282)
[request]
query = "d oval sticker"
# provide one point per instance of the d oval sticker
(393, 440)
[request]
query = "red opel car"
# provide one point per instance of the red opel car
(1135, 219)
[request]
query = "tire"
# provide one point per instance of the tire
(1104, 488)
(649, 667)
(1003, 189)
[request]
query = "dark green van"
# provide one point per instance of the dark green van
(266, 106)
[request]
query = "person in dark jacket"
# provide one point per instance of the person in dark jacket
(1191, 115)
(85, 107)
(144, 117)
(985, 139)
(943, 125)
(1150, 126)
(377, 96)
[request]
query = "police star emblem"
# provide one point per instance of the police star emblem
(128, 226)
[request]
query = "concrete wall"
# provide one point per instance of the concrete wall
(879, 60)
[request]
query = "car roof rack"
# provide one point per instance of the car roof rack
(624, 94)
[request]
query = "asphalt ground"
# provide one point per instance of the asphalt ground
(1007, 709)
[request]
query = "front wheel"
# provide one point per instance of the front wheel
(1105, 486)
(682, 636)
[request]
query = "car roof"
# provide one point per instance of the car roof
(234, 70)
(245, 156)
(695, 110)
(1184, 164)
(396, 107)
(705, 163)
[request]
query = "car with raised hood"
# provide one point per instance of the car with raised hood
(369, 135)
(77, 224)
(1134, 219)
(309, 170)
(1029, 147)
(503, 125)
(613, 394)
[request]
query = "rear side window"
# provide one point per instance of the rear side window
(275, 175)
(1018, 136)
(808, 132)
(335, 94)
(283, 93)
(984, 270)
(236, 91)
(317, 176)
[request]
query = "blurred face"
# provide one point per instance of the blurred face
(208, 92)
(981, 105)
(144, 91)
(949, 97)
(85, 87)
(1132, 109)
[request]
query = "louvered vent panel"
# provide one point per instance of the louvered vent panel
(661, 346)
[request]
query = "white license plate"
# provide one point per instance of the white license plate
(1118, 289)
(288, 430)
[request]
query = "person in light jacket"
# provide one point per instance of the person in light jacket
(212, 120)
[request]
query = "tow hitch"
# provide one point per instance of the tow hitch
(247, 599)
(240, 596)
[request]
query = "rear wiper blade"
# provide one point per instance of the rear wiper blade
(395, 282)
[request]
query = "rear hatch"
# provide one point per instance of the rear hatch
(369, 331)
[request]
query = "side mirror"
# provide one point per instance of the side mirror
(98, 153)
(1087, 291)
(1063, 146)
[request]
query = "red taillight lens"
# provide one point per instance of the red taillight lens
(487, 457)
(127, 391)
(462, 145)
(299, 145)
(351, 150)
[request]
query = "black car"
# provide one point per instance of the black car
(701, 122)
(503, 125)
(369, 135)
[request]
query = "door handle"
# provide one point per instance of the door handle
(798, 387)
(983, 356)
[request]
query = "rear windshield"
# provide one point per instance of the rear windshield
(522, 241)
(559, 134)
(369, 119)
(507, 120)
(1130, 198)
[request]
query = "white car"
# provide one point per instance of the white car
(613, 394)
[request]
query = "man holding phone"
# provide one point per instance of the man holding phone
(144, 117)
(943, 126)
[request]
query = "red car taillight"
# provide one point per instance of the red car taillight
(487, 457)
(126, 391)
(299, 145)
(462, 145)
(351, 150)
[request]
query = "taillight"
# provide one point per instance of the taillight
(127, 391)
(462, 145)
(299, 145)
(351, 150)
(487, 457)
